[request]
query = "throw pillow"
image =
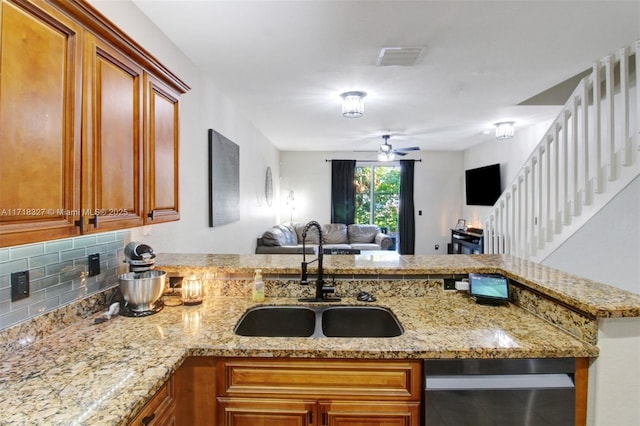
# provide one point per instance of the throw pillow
(362, 233)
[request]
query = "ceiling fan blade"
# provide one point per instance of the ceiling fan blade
(400, 153)
(410, 148)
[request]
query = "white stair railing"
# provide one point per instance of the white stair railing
(588, 155)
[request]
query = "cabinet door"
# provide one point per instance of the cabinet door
(369, 413)
(160, 410)
(266, 412)
(112, 164)
(161, 152)
(40, 100)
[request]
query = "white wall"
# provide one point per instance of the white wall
(606, 248)
(202, 108)
(438, 185)
(613, 377)
(511, 154)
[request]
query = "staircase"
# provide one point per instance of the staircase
(588, 155)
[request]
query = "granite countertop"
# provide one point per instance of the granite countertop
(104, 373)
(590, 297)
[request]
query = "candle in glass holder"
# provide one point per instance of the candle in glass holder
(192, 291)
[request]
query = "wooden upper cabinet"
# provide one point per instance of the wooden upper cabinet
(112, 139)
(88, 125)
(40, 100)
(161, 152)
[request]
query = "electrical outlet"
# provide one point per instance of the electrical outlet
(94, 264)
(19, 285)
(449, 284)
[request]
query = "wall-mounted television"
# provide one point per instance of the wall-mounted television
(483, 185)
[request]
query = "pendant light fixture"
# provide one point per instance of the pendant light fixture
(352, 104)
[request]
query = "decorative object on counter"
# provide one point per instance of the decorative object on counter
(192, 291)
(258, 287)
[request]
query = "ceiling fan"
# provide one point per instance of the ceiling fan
(387, 153)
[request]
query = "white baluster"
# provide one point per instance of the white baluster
(597, 126)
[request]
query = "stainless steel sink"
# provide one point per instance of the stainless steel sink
(359, 321)
(277, 321)
(319, 321)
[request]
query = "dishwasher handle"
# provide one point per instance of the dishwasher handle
(502, 381)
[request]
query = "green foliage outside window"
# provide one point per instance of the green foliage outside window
(377, 196)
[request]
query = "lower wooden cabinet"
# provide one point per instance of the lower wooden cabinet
(369, 413)
(303, 412)
(297, 392)
(160, 410)
(318, 392)
(264, 411)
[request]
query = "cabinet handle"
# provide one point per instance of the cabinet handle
(80, 223)
(94, 221)
(152, 215)
(148, 419)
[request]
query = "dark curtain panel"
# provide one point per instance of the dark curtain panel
(406, 218)
(343, 191)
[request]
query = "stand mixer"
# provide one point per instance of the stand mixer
(142, 286)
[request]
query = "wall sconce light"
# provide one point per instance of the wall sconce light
(505, 129)
(353, 104)
(192, 291)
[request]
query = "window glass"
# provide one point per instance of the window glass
(377, 196)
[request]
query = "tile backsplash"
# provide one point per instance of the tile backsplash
(58, 273)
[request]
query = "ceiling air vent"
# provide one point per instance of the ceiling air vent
(399, 56)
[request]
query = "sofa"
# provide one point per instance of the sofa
(338, 238)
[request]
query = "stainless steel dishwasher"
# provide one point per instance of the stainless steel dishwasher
(498, 392)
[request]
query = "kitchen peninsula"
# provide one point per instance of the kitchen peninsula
(104, 373)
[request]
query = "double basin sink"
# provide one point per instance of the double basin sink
(318, 321)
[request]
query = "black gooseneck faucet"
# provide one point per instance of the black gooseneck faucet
(321, 289)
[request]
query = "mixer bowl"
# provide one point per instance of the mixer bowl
(142, 289)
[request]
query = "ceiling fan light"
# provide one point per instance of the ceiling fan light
(353, 104)
(385, 147)
(385, 155)
(505, 129)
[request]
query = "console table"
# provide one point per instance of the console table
(466, 241)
